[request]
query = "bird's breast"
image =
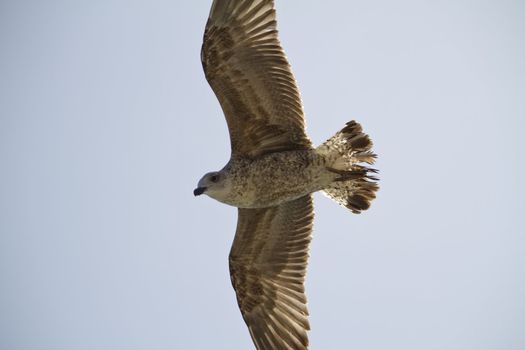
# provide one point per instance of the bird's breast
(275, 178)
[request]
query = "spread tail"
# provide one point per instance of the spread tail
(354, 185)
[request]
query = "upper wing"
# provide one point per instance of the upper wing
(268, 263)
(248, 71)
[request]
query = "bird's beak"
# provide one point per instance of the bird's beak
(198, 191)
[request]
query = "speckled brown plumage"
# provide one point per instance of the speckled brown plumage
(268, 263)
(273, 170)
(355, 188)
(246, 67)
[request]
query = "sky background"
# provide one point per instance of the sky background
(107, 124)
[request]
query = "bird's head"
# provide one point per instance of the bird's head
(215, 184)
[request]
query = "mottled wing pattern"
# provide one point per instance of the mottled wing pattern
(268, 263)
(248, 71)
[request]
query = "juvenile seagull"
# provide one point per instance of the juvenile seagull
(273, 170)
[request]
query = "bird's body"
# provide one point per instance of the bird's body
(275, 178)
(273, 170)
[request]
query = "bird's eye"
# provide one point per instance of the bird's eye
(214, 178)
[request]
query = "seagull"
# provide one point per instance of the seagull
(273, 170)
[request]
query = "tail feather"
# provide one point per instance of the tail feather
(355, 184)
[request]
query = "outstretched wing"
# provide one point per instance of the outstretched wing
(247, 69)
(268, 263)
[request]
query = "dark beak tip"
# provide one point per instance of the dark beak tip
(198, 191)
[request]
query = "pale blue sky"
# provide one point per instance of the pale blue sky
(107, 123)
